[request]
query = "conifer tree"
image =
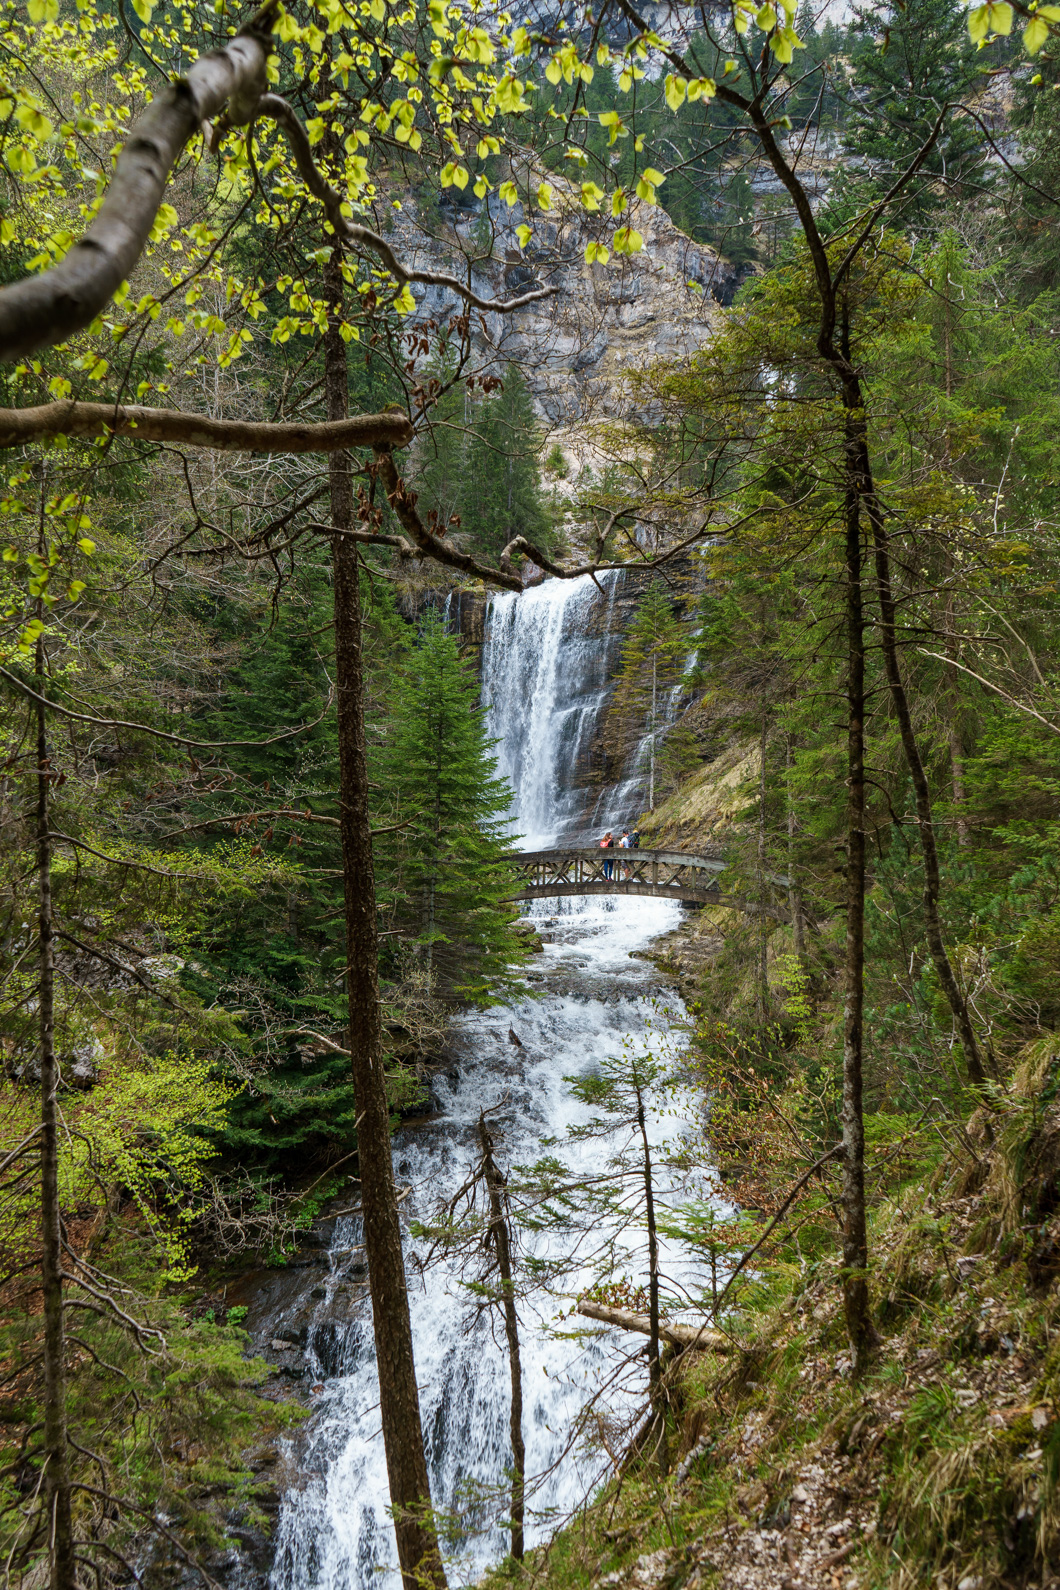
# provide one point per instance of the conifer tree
(441, 460)
(501, 487)
(910, 58)
(453, 878)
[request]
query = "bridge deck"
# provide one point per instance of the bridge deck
(664, 874)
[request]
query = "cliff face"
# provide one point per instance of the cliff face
(603, 320)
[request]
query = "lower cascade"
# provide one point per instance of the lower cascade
(544, 683)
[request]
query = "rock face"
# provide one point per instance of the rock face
(700, 815)
(575, 346)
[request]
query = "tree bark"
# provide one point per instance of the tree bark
(855, 1235)
(417, 1542)
(19, 427)
(62, 1565)
(500, 1234)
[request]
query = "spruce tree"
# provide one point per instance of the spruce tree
(455, 883)
(441, 450)
(909, 59)
(501, 493)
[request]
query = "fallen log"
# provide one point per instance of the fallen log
(676, 1334)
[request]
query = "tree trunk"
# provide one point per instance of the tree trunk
(794, 893)
(679, 1335)
(399, 1406)
(960, 792)
(655, 1381)
(62, 1565)
(925, 822)
(502, 1245)
(855, 1236)
(763, 938)
(654, 700)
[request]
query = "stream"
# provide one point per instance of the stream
(546, 664)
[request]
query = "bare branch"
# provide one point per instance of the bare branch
(403, 503)
(283, 114)
(18, 426)
(951, 662)
(159, 734)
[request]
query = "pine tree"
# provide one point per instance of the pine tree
(653, 658)
(910, 58)
(454, 880)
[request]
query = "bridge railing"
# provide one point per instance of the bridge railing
(588, 869)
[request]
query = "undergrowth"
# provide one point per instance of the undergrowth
(941, 1466)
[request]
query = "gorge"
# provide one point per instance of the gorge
(545, 679)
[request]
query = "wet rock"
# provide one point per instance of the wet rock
(527, 931)
(291, 1335)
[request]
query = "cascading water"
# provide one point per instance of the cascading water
(545, 670)
(544, 683)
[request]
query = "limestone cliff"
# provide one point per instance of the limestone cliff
(574, 346)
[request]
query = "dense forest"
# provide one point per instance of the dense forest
(321, 325)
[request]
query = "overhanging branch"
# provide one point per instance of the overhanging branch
(42, 310)
(19, 426)
(403, 502)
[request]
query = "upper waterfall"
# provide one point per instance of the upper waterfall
(546, 666)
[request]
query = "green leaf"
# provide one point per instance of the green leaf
(1034, 35)
(627, 241)
(86, 546)
(988, 19)
(524, 234)
(676, 88)
(701, 88)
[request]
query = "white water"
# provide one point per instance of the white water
(543, 687)
(545, 671)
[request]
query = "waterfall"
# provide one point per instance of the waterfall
(546, 666)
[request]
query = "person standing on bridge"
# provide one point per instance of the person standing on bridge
(607, 843)
(623, 844)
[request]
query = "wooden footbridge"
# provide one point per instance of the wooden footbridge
(665, 874)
